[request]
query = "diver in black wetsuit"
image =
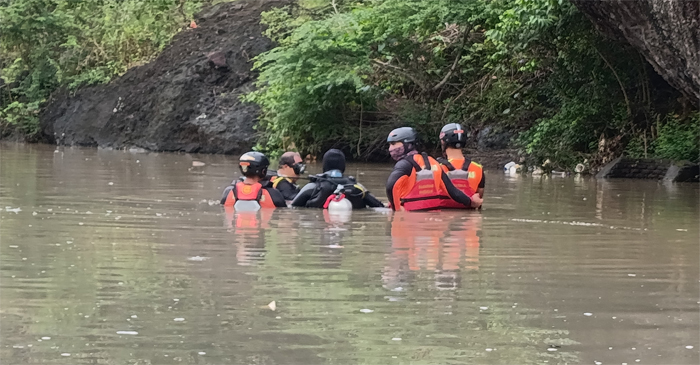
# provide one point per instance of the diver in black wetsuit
(289, 170)
(316, 193)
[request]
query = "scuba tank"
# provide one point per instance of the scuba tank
(337, 202)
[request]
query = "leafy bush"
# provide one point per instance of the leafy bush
(47, 44)
(679, 140)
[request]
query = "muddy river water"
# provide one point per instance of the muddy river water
(113, 257)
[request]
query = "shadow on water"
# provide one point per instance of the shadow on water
(126, 258)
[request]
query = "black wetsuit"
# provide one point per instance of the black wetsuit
(288, 189)
(315, 193)
(404, 167)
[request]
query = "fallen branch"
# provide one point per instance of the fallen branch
(401, 71)
(454, 64)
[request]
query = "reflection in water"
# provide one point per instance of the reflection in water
(121, 258)
(445, 244)
(248, 229)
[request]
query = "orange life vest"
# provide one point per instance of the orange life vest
(425, 188)
(465, 176)
(245, 192)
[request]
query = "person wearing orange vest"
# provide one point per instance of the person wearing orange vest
(250, 194)
(417, 181)
(466, 175)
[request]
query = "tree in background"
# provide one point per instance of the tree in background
(345, 72)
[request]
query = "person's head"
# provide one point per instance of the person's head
(253, 165)
(334, 159)
(452, 136)
(402, 141)
(290, 165)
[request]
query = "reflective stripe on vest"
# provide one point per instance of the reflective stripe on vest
(426, 193)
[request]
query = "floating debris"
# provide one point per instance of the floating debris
(198, 164)
(178, 319)
(202, 353)
(14, 246)
(13, 210)
(46, 338)
(65, 354)
(588, 314)
(689, 347)
(272, 305)
(365, 310)
(483, 308)
(110, 183)
(127, 333)
(632, 275)
(552, 349)
(489, 350)
(396, 339)
(197, 258)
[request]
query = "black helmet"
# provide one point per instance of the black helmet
(453, 135)
(403, 134)
(253, 164)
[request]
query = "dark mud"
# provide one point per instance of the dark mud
(187, 99)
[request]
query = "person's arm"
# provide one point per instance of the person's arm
(402, 170)
(372, 201)
(225, 195)
(277, 198)
(369, 199)
(288, 190)
(458, 196)
(304, 195)
(480, 189)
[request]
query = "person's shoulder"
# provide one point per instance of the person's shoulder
(402, 163)
(273, 192)
(474, 163)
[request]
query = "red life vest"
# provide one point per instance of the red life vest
(247, 192)
(465, 178)
(427, 192)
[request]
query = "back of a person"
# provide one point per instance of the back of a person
(423, 189)
(465, 175)
(328, 186)
(418, 182)
(252, 192)
(332, 184)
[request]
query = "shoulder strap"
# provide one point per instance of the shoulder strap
(426, 161)
(260, 193)
(235, 191)
(413, 162)
(446, 163)
(276, 181)
(467, 162)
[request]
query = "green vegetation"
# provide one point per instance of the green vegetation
(50, 44)
(346, 72)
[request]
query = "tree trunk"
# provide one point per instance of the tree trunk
(666, 32)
